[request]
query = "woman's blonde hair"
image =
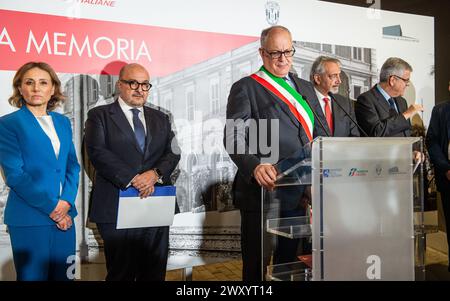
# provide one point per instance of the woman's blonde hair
(56, 99)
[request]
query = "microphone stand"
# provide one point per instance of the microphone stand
(315, 115)
(348, 115)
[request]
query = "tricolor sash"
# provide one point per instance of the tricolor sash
(297, 105)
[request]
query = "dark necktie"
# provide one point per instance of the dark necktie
(139, 130)
(392, 104)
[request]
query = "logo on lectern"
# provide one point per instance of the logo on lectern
(332, 173)
(356, 172)
(396, 171)
(378, 169)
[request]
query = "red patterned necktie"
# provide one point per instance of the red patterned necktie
(328, 114)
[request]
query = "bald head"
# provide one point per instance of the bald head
(273, 30)
(133, 73)
(131, 68)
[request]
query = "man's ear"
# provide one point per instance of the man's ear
(391, 81)
(316, 78)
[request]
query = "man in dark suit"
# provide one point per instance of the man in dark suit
(438, 139)
(130, 144)
(272, 94)
(382, 111)
(330, 106)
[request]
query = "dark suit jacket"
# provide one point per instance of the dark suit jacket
(114, 152)
(377, 119)
(343, 126)
(249, 100)
(438, 137)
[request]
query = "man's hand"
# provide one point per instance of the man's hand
(418, 157)
(65, 223)
(266, 175)
(60, 212)
(145, 183)
(448, 175)
(412, 110)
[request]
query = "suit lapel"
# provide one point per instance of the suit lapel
(446, 120)
(150, 128)
(118, 117)
(57, 123)
(338, 117)
(44, 138)
(381, 100)
(315, 102)
(399, 104)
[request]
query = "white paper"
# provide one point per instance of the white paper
(153, 211)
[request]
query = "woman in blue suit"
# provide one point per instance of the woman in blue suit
(41, 169)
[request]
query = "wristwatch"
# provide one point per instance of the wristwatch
(159, 175)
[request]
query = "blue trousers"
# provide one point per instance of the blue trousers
(42, 253)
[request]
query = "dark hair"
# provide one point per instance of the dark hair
(56, 99)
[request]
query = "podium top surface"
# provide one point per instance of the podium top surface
(371, 140)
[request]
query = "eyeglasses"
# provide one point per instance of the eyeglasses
(134, 84)
(406, 81)
(274, 55)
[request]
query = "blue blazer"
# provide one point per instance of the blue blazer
(32, 171)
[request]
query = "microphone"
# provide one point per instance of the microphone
(348, 115)
(315, 115)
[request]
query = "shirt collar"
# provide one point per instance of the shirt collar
(125, 107)
(384, 93)
(320, 95)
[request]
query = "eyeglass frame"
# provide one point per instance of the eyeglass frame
(279, 53)
(406, 81)
(132, 81)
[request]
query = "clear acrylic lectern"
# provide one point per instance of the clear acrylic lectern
(346, 209)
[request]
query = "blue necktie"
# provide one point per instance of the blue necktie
(139, 130)
(392, 104)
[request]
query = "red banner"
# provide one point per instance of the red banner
(94, 47)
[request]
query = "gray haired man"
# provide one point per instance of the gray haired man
(335, 111)
(382, 111)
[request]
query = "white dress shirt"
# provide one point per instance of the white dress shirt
(320, 96)
(129, 114)
(46, 123)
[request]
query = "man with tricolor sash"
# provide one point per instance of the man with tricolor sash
(272, 100)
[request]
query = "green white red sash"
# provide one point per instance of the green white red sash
(297, 105)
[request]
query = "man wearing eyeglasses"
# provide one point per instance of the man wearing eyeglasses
(382, 111)
(129, 144)
(333, 109)
(272, 93)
